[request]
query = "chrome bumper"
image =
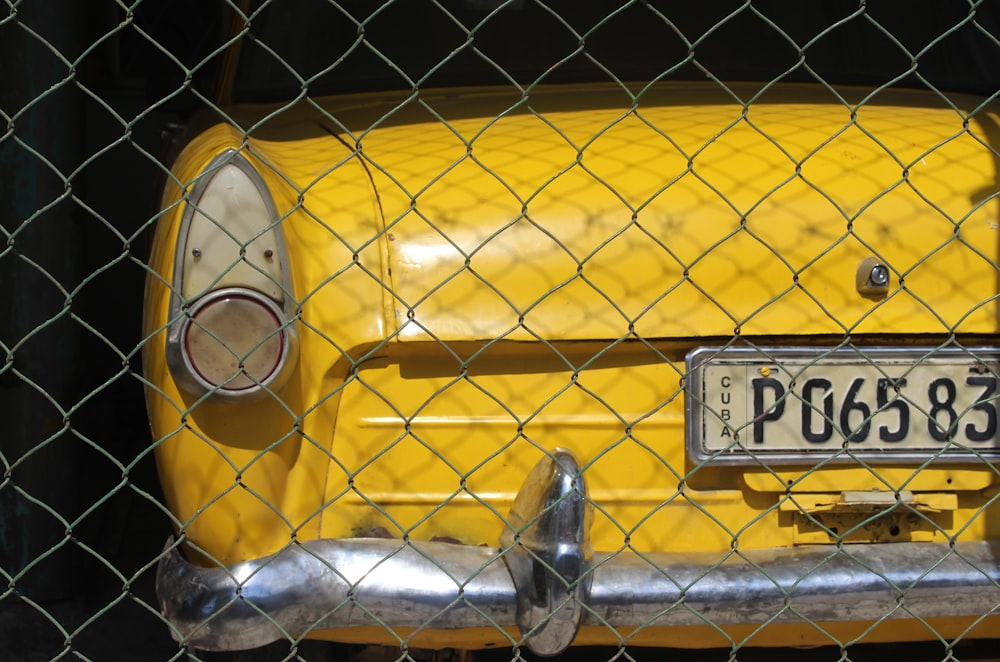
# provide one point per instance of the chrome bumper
(546, 582)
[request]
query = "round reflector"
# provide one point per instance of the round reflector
(234, 340)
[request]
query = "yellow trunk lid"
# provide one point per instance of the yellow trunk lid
(576, 215)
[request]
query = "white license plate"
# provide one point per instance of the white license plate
(794, 406)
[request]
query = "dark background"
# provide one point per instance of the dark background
(90, 101)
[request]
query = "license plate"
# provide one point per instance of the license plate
(795, 406)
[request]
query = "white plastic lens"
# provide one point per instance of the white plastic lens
(234, 340)
(230, 240)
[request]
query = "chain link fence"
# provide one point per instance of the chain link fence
(473, 329)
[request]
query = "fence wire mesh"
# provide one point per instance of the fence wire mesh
(472, 329)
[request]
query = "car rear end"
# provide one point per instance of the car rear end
(673, 363)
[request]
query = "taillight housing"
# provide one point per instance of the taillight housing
(232, 335)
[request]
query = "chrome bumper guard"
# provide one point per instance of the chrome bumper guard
(546, 581)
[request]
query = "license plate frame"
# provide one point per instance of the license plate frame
(757, 436)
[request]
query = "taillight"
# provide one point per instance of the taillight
(234, 340)
(232, 336)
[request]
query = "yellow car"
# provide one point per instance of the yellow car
(483, 323)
